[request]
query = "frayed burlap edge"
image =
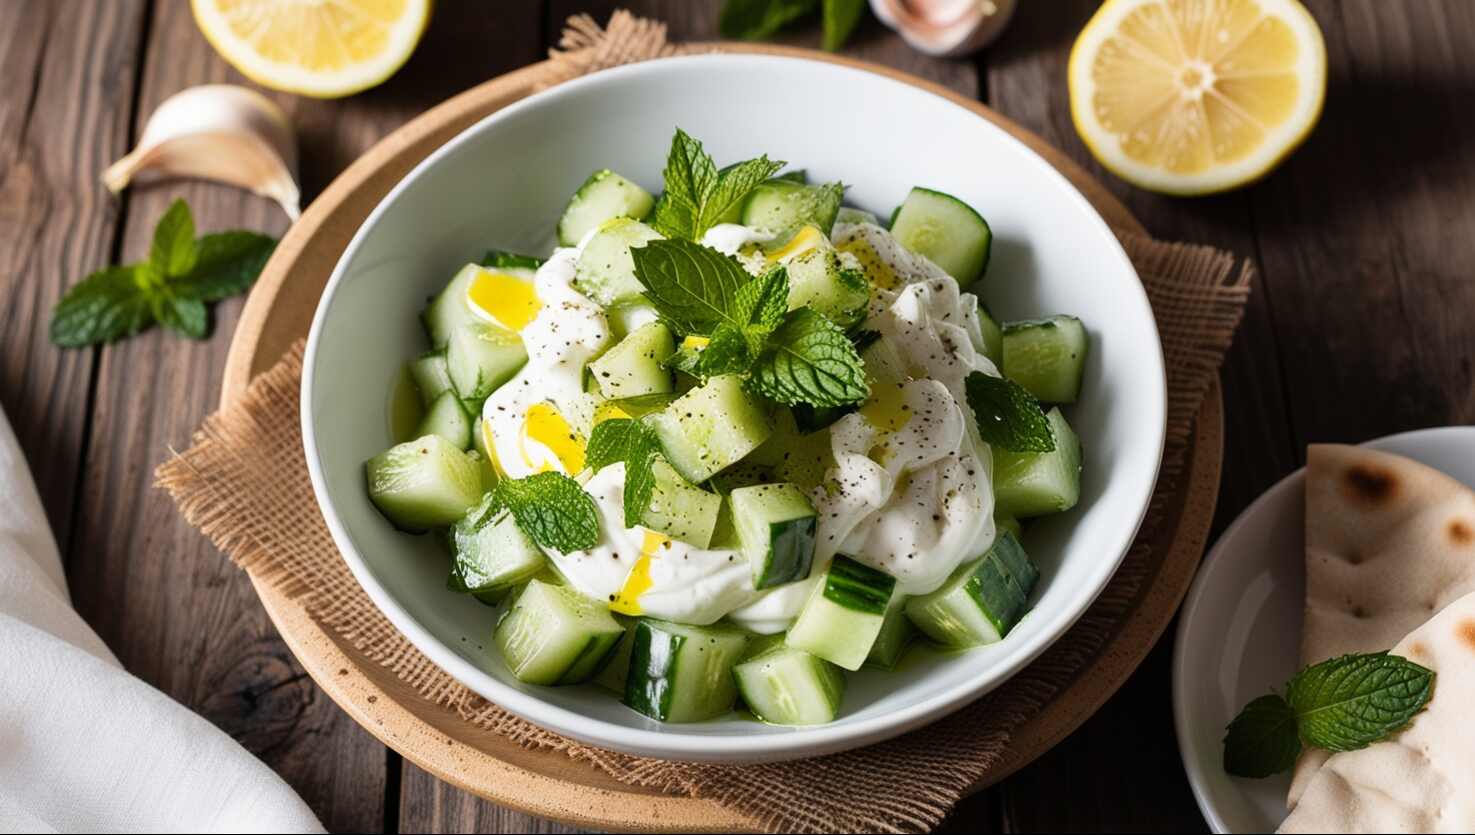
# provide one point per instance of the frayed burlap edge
(244, 483)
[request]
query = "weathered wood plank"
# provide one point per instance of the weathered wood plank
(69, 71)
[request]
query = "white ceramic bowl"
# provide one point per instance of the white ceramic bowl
(503, 183)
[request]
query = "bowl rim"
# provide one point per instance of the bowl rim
(669, 741)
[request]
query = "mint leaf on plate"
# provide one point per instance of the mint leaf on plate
(1262, 740)
(691, 286)
(636, 445)
(552, 509)
(809, 359)
(697, 195)
(1351, 702)
(1008, 416)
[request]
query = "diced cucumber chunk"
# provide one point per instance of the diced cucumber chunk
(432, 377)
(945, 230)
(981, 601)
(844, 614)
(852, 215)
(795, 456)
(447, 418)
(481, 445)
(1008, 523)
(745, 473)
(775, 524)
(1047, 357)
(606, 271)
(993, 337)
(781, 207)
(628, 315)
(492, 552)
(784, 685)
(896, 634)
(1039, 483)
(617, 669)
(501, 259)
(603, 197)
(480, 358)
(633, 367)
(710, 427)
(424, 483)
(682, 673)
(554, 635)
(450, 310)
(680, 509)
(818, 280)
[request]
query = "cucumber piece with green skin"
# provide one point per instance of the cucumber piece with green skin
(479, 444)
(450, 310)
(783, 685)
(792, 455)
(501, 259)
(481, 357)
(492, 552)
(1006, 523)
(617, 669)
(554, 635)
(422, 484)
(633, 367)
(710, 427)
(982, 600)
(945, 230)
(447, 418)
(781, 207)
(432, 377)
(605, 271)
(682, 673)
(776, 526)
(993, 337)
(680, 509)
(603, 197)
(1046, 356)
(896, 635)
(843, 615)
(850, 215)
(1039, 483)
(818, 280)
(629, 315)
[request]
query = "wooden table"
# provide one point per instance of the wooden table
(1360, 326)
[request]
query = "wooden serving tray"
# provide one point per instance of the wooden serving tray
(550, 784)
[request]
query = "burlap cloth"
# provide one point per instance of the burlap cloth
(244, 483)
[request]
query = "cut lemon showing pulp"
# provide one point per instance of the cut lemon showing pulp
(1196, 96)
(322, 48)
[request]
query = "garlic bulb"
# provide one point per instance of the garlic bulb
(217, 132)
(945, 27)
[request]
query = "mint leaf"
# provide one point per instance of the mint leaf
(809, 359)
(173, 250)
(840, 18)
(503, 260)
(763, 301)
(1008, 416)
(731, 351)
(552, 509)
(226, 264)
(622, 440)
(184, 315)
(692, 287)
(1351, 702)
(697, 195)
(754, 20)
(1262, 740)
(103, 307)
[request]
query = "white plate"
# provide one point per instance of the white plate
(1239, 634)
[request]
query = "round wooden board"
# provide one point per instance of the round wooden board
(547, 783)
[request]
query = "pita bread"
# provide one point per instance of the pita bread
(1389, 542)
(1423, 778)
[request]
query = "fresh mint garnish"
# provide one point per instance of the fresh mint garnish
(697, 195)
(552, 509)
(809, 359)
(631, 442)
(840, 19)
(172, 288)
(692, 287)
(1008, 416)
(503, 260)
(754, 20)
(1342, 704)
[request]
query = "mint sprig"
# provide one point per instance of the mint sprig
(1343, 704)
(1008, 416)
(692, 287)
(758, 19)
(697, 195)
(171, 288)
(809, 359)
(631, 442)
(552, 509)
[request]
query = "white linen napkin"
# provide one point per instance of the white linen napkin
(84, 745)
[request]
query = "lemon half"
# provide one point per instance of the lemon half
(320, 48)
(1196, 96)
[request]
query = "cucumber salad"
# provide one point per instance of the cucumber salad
(730, 442)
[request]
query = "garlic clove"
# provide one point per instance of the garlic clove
(945, 27)
(217, 132)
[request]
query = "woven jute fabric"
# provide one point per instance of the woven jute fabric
(244, 484)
